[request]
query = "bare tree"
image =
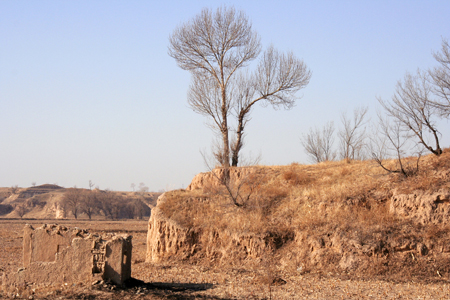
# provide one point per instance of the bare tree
(318, 143)
(140, 208)
(91, 184)
(352, 135)
(72, 201)
(133, 186)
(214, 47)
(21, 209)
(143, 188)
(90, 203)
(411, 107)
(390, 141)
(441, 80)
(14, 189)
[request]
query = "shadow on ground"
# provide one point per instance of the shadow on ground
(138, 289)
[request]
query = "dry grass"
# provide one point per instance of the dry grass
(317, 202)
(300, 194)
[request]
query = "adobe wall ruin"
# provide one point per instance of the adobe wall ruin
(54, 254)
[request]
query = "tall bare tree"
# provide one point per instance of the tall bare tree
(440, 76)
(214, 47)
(352, 135)
(411, 106)
(318, 143)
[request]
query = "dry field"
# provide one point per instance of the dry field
(182, 281)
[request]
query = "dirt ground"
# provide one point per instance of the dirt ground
(182, 281)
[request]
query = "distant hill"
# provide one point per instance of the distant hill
(47, 201)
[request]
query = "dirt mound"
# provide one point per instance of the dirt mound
(352, 220)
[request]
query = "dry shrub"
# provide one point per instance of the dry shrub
(296, 177)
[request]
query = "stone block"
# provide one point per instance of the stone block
(54, 254)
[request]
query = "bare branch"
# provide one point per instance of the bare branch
(440, 76)
(352, 135)
(389, 141)
(318, 144)
(411, 107)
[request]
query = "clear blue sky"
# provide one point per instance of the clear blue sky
(88, 92)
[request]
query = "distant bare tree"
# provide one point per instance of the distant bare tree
(412, 108)
(21, 209)
(133, 186)
(106, 199)
(139, 208)
(352, 135)
(91, 184)
(14, 189)
(143, 188)
(117, 205)
(129, 210)
(318, 143)
(90, 203)
(33, 183)
(214, 47)
(441, 79)
(112, 204)
(72, 201)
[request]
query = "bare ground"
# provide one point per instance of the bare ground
(184, 281)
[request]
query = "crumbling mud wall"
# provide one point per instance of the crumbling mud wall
(166, 239)
(422, 207)
(54, 254)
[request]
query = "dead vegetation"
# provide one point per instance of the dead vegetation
(333, 217)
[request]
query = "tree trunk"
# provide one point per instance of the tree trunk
(238, 145)
(225, 159)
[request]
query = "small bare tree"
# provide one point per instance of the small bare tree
(412, 108)
(91, 184)
(390, 141)
(440, 77)
(215, 47)
(318, 144)
(352, 136)
(21, 209)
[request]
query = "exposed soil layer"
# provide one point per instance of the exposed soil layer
(204, 281)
